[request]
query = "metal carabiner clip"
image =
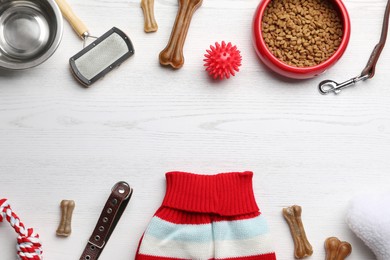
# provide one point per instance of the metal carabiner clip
(329, 86)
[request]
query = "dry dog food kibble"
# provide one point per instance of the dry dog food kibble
(302, 33)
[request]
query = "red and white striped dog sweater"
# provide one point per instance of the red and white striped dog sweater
(207, 217)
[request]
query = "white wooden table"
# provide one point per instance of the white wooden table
(61, 141)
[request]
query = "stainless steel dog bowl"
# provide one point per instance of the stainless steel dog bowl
(30, 32)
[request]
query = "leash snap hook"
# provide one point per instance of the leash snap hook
(329, 86)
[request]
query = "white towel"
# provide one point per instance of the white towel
(369, 218)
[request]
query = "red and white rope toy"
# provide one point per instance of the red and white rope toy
(29, 246)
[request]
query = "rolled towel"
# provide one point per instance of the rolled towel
(368, 216)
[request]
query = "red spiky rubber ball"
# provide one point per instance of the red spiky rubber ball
(222, 60)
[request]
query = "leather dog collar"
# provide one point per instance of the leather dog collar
(111, 213)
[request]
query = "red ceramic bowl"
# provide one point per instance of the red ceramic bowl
(297, 72)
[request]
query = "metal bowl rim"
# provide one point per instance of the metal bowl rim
(49, 52)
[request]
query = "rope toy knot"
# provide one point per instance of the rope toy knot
(28, 246)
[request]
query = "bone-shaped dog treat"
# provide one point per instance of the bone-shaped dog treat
(302, 247)
(65, 227)
(336, 249)
(150, 24)
(173, 53)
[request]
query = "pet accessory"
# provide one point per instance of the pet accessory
(207, 217)
(302, 247)
(30, 32)
(150, 24)
(29, 245)
(101, 56)
(274, 63)
(329, 86)
(222, 60)
(173, 53)
(337, 250)
(111, 213)
(65, 227)
(368, 217)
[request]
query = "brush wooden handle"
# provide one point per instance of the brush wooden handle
(78, 26)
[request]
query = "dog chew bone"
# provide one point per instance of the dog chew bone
(173, 53)
(302, 247)
(336, 249)
(150, 24)
(65, 227)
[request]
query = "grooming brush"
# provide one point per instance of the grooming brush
(101, 56)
